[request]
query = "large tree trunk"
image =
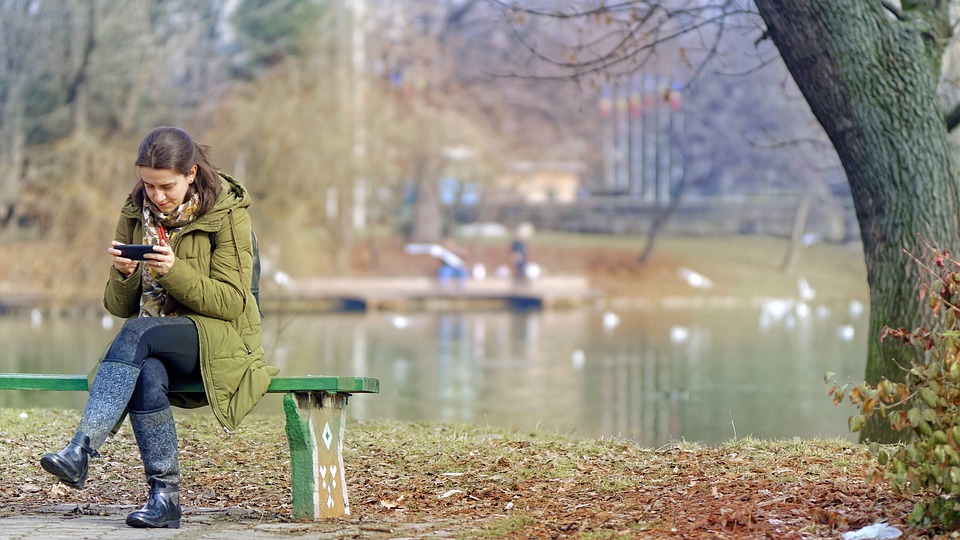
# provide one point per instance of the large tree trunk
(871, 81)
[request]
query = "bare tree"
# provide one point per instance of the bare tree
(871, 73)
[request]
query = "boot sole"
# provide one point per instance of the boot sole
(52, 465)
(140, 523)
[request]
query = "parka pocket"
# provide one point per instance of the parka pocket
(253, 385)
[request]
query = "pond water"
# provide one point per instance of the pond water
(652, 375)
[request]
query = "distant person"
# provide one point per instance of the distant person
(518, 253)
(190, 317)
(453, 266)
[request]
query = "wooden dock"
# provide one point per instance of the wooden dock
(424, 294)
(357, 294)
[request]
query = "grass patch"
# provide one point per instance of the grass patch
(503, 528)
(738, 266)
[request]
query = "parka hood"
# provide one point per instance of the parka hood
(233, 194)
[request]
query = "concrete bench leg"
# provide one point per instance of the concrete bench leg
(315, 424)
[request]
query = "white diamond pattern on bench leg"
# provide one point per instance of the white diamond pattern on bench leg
(327, 435)
(331, 486)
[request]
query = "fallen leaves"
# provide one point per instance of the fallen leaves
(465, 480)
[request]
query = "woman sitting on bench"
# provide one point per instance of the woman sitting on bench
(190, 313)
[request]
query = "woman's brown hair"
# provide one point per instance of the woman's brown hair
(170, 148)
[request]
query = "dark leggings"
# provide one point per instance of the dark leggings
(162, 348)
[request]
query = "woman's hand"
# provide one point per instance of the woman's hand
(126, 266)
(161, 260)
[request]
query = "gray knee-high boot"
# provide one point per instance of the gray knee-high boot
(156, 436)
(109, 395)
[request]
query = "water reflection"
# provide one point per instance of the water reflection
(657, 375)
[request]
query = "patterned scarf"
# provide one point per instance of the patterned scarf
(154, 301)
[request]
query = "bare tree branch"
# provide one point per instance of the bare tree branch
(636, 32)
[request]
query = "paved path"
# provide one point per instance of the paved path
(107, 522)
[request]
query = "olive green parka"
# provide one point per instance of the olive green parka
(210, 280)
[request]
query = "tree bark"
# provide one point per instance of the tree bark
(660, 217)
(12, 143)
(427, 223)
(871, 81)
(83, 42)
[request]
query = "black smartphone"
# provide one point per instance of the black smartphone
(134, 251)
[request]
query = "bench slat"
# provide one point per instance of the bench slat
(37, 381)
(302, 383)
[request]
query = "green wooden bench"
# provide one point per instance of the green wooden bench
(315, 408)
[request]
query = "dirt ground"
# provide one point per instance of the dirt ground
(690, 499)
(425, 480)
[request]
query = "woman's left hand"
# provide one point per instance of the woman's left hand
(161, 261)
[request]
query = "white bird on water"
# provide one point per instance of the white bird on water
(846, 332)
(281, 278)
(806, 291)
(577, 358)
(679, 334)
(399, 321)
(610, 320)
(855, 308)
(774, 310)
(36, 318)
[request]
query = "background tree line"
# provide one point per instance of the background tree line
(331, 111)
(338, 114)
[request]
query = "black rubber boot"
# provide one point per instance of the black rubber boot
(162, 508)
(71, 464)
